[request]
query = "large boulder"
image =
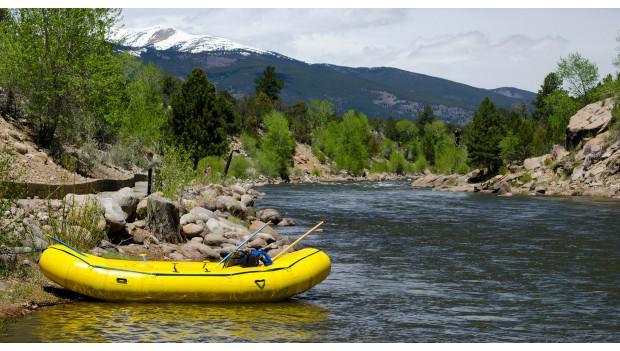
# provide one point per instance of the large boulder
(221, 226)
(191, 230)
(589, 121)
(238, 189)
(128, 200)
(269, 214)
(196, 250)
(208, 198)
(197, 214)
(247, 200)
(535, 162)
(230, 204)
(114, 214)
(162, 219)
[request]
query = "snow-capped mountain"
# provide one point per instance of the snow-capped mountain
(161, 38)
(378, 91)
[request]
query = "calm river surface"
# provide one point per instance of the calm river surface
(408, 266)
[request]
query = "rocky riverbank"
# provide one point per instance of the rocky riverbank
(205, 223)
(591, 168)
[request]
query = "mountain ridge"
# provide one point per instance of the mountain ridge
(376, 91)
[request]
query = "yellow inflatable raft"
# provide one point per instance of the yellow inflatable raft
(126, 280)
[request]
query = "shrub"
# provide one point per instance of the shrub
(175, 173)
(380, 167)
(80, 227)
(239, 167)
(249, 144)
(525, 177)
(316, 172)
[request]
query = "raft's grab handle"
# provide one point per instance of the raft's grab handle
(65, 244)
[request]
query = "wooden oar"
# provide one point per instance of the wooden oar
(298, 240)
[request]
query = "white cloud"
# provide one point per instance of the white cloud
(486, 48)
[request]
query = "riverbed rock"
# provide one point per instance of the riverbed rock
(197, 214)
(195, 250)
(286, 222)
(257, 243)
(221, 226)
(128, 200)
(213, 239)
(114, 214)
(247, 200)
(230, 204)
(269, 214)
(238, 189)
(191, 230)
(163, 219)
(141, 208)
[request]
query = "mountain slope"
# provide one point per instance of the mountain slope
(378, 92)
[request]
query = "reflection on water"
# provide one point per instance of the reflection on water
(169, 322)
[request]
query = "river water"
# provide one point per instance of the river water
(408, 266)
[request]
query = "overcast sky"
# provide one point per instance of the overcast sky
(483, 48)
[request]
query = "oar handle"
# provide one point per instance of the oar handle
(298, 240)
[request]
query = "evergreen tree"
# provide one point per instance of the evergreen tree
(197, 122)
(551, 83)
(390, 130)
(425, 117)
(483, 137)
(269, 84)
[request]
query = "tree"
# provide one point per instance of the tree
(320, 112)
(269, 84)
(299, 122)
(579, 73)
(484, 135)
(551, 83)
(170, 85)
(425, 117)
(277, 146)
(197, 122)
(390, 130)
(406, 130)
(59, 60)
(561, 108)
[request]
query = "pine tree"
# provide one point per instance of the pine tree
(551, 83)
(269, 84)
(484, 136)
(425, 117)
(198, 122)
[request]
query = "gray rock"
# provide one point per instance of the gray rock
(502, 188)
(197, 250)
(269, 214)
(192, 230)
(114, 214)
(163, 219)
(141, 209)
(21, 148)
(238, 189)
(257, 243)
(128, 200)
(197, 214)
(247, 200)
(213, 239)
(230, 204)
(175, 256)
(197, 239)
(286, 222)
(221, 226)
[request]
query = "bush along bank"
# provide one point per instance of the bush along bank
(591, 168)
(205, 223)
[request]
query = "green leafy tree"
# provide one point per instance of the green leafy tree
(425, 117)
(561, 108)
(579, 73)
(484, 135)
(140, 113)
(551, 83)
(59, 60)
(277, 146)
(197, 122)
(320, 112)
(269, 84)
(406, 131)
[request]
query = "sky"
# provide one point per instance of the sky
(486, 48)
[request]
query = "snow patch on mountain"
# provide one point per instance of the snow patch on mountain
(162, 38)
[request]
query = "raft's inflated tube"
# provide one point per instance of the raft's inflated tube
(125, 280)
